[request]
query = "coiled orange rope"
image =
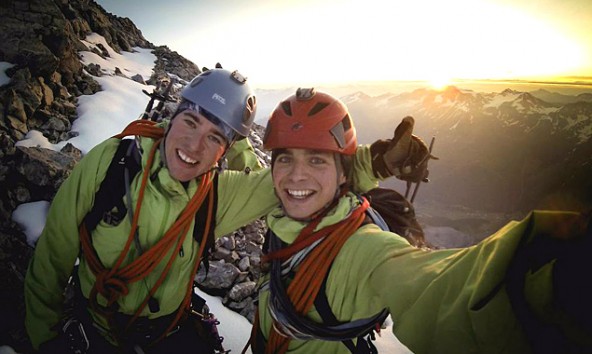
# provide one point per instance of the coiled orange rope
(112, 282)
(309, 277)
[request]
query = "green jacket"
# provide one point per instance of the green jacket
(432, 295)
(242, 198)
(242, 155)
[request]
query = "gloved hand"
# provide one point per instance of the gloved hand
(563, 240)
(405, 156)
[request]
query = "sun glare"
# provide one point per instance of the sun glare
(391, 40)
(439, 83)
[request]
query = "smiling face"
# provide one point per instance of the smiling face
(305, 181)
(193, 145)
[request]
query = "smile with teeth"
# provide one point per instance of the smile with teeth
(186, 158)
(299, 193)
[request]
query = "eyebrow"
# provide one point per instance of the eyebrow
(197, 119)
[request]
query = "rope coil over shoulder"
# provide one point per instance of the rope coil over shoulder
(112, 283)
(290, 306)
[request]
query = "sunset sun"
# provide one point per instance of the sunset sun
(439, 82)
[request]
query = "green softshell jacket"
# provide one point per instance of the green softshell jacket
(242, 198)
(432, 295)
(242, 156)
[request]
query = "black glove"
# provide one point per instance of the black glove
(568, 326)
(405, 156)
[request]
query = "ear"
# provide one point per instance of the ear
(341, 180)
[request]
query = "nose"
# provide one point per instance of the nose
(196, 141)
(298, 171)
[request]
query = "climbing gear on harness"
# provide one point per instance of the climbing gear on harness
(206, 323)
(311, 119)
(76, 338)
(112, 283)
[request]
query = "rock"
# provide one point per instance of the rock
(221, 275)
(242, 290)
(138, 78)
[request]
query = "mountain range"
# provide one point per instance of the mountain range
(508, 151)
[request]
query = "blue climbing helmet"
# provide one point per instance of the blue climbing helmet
(225, 95)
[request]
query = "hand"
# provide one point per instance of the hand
(563, 240)
(404, 156)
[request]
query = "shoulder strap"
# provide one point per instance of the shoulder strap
(200, 224)
(321, 303)
(112, 189)
(363, 345)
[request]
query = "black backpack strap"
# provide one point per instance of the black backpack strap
(108, 204)
(200, 224)
(364, 345)
(321, 303)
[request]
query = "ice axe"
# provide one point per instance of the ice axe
(161, 97)
(424, 170)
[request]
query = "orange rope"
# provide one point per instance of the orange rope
(307, 282)
(112, 283)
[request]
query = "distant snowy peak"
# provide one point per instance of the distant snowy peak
(354, 97)
(463, 100)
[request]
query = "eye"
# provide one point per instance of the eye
(284, 159)
(190, 123)
(216, 139)
(316, 160)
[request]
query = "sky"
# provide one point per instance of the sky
(335, 41)
(105, 114)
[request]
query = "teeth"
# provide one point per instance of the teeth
(186, 158)
(297, 193)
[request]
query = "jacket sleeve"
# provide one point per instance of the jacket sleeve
(58, 246)
(243, 198)
(242, 155)
(364, 178)
(451, 301)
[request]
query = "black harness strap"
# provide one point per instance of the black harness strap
(321, 303)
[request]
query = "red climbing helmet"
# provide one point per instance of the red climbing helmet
(311, 120)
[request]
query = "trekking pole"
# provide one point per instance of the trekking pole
(424, 178)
